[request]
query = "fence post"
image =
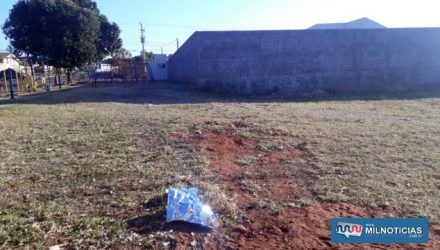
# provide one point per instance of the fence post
(18, 82)
(135, 71)
(48, 76)
(146, 71)
(32, 67)
(33, 79)
(95, 76)
(6, 81)
(11, 84)
(59, 78)
(44, 76)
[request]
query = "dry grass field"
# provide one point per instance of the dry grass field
(88, 167)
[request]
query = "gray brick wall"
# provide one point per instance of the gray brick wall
(309, 61)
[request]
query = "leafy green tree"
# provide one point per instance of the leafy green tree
(149, 56)
(122, 53)
(88, 4)
(70, 33)
(109, 42)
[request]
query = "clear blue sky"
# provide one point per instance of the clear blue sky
(167, 20)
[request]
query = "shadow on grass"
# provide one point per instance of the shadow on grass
(155, 221)
(176, 93)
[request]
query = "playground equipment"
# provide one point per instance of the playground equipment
(16, 81)
(20, 80)
(125, 70)
(9, 86)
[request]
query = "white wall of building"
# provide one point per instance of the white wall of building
(159, 67)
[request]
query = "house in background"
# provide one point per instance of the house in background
(9, 61)
(362, 23)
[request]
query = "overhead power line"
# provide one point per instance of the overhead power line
(166, 25)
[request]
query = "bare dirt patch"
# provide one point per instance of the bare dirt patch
(279, 209)
(224, 151)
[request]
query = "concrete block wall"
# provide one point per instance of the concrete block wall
(310, 61)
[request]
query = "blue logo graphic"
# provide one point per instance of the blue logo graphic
(348, 229)
(379, 230)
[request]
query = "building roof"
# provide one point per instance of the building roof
(362, 23)
(4, 55)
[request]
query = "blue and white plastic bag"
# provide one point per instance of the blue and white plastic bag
(184, 205)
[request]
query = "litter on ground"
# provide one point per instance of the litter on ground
(183, 204)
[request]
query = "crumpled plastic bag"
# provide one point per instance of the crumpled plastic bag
(184, 205)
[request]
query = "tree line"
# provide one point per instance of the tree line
(64, 33)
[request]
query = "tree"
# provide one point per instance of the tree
(109, 42)
(122, 54)
(88, 4)
(149, 56)
(70, 33)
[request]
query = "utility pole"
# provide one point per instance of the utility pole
(143, 41)
(143, 52)
(178, 45)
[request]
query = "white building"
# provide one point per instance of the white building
(104, 67)
(158, 70)
(9, 61)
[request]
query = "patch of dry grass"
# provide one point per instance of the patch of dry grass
(68, 170)
(378, 153)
